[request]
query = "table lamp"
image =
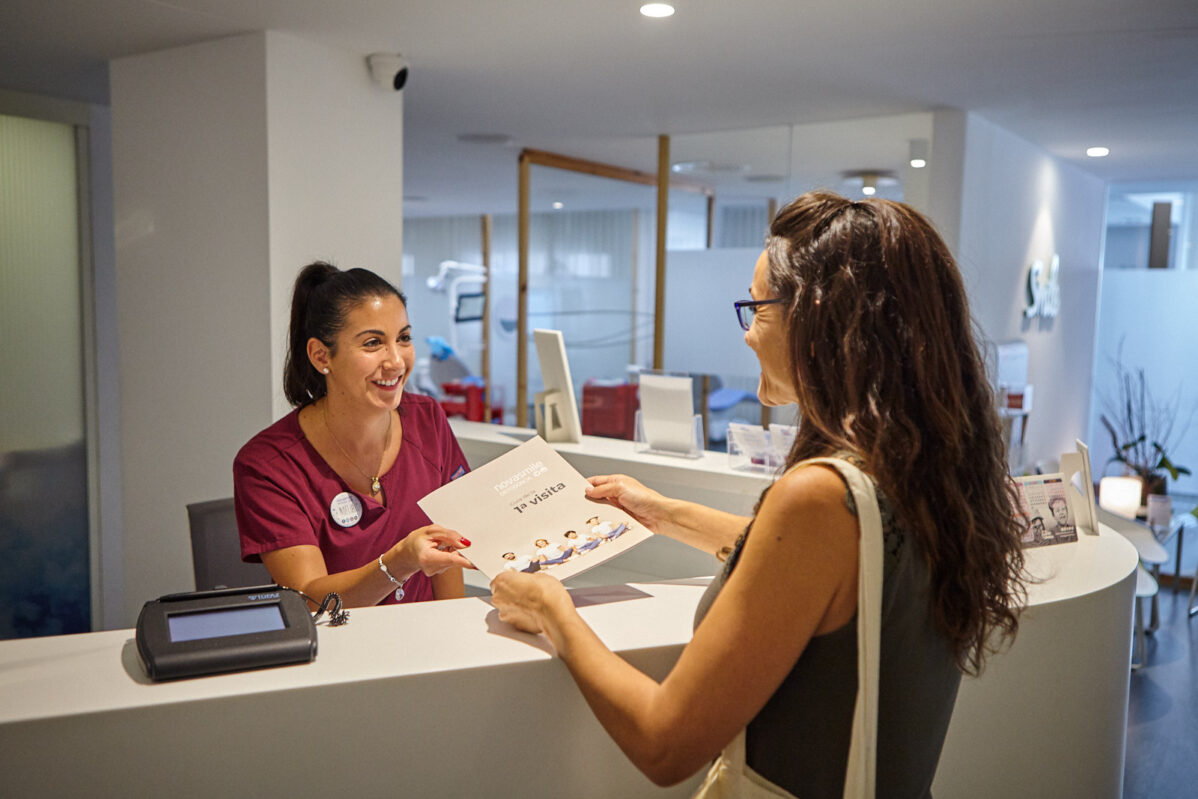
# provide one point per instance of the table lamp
(1120, 495)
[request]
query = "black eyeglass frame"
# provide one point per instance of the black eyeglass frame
(751, 306)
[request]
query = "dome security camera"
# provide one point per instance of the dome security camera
(389, 70)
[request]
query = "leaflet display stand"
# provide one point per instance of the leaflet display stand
(1085, 508)
(753, 448)
(695, 450)
(666, 423)
(551, 414)
(555, 410)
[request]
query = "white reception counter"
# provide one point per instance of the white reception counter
(441, 699)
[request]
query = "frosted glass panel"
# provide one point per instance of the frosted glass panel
(44, 574)
(590, 274)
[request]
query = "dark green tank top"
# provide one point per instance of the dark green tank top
(800, 739)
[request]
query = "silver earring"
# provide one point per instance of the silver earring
(325, 370)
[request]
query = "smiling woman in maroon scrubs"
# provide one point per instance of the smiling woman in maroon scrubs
(326, 496)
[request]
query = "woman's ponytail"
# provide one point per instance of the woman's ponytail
(301, 382)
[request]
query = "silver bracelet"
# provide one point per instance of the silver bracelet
(398, 583)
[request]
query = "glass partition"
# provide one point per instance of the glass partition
(1132, 210)
(590, 273)
(592, 248)
(45, 586)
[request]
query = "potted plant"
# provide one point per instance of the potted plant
(1143, 429)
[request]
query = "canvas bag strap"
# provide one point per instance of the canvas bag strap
(860, 774)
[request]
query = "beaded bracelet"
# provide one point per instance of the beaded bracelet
(398, 583)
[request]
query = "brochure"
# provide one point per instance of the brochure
(1045, 507)
(527, 511)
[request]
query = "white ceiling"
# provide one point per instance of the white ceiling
(595, 78)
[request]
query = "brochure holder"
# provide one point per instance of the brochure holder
(642, 444)
(549, 410)
(666, 423)
(1085, 508)
(753, 448)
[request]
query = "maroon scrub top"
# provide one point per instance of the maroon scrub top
(283, 490)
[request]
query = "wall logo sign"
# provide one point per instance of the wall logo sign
(1043, 289)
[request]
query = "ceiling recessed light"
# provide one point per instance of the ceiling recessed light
(557, 206)
(708, 168)
(1098, 152)
(657, 10)
(870, 179)
(918, 153)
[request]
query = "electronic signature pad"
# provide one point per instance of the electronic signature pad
(233, 629)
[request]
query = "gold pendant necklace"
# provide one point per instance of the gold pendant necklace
(375, 485)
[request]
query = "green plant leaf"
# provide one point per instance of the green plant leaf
(1174, 470)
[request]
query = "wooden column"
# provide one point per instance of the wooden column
(634, 294)
(522, 297)
(486, 365)
(663, 209)
(710, 221)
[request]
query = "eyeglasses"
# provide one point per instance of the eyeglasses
(747, 309)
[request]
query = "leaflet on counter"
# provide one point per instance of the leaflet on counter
(1046, 509)
(527, 511)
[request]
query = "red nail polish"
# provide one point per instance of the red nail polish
(466, 542)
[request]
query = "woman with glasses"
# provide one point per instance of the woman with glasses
(858, 314)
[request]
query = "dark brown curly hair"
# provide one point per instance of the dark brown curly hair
(887, 368)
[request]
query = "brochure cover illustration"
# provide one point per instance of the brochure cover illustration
(527, 511)
(1044, 505)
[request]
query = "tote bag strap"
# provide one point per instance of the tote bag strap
(861, 772)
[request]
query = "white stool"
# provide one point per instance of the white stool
(1152, 554)
(1177, 527)
(1146, 586)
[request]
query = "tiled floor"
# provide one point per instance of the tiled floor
(1162, 719)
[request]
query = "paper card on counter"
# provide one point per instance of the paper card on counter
(1046, 510)
(668, 412)
(527, 510)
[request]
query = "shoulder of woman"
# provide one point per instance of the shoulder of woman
(810, 487)
(268, 444)
(421, 406)
(806, 507)
(804, 530)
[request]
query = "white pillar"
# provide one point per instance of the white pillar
(235, 162)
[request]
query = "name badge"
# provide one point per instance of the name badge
(346, 509)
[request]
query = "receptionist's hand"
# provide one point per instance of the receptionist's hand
(630, 495)
(432, 550)
(524, 599)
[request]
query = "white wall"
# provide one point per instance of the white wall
(190, 165)
(1151, 311)
(1020, 205)
(235, 162)
(702, 334)
(945, 169)
(335, 151)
